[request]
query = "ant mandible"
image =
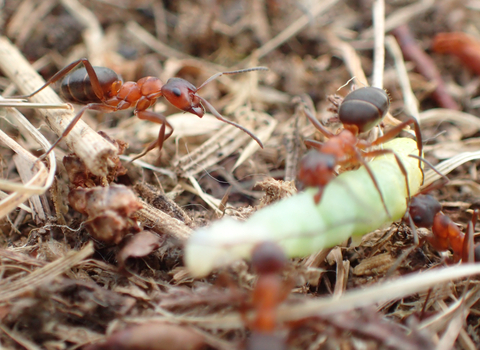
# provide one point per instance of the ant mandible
(101, 89)
(268, 260)
(425, 211)
(359, 112)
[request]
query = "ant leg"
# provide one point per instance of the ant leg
(162, 136)
(379, 152)
(390, 134)
(313, 144)
(92, 106)
(445, 179)
(219, 117)
(316, 123)
(416, 240)
(468, 254)
(363, 162)
(318, 195)
(64, 71)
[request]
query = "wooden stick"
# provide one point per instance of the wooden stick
(92, 148)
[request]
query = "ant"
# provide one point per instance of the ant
(268, 260)
(425, 211)
(359, 112)
(101, 89)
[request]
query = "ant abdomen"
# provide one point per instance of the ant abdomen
(76, 87)
(364, 108)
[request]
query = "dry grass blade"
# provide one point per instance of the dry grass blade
(264, 134)
(226, 141)
(449, 165)
(469, 124)
(36, 185)
(402, 16)
(317, 9)
(17, 104)
(164, 50)
(18, 287)
(441, 320)
(93, 149)
(19, 339)
(158, 221)
(350, 300)
(379, 49)
(93, 33)
(411, 102)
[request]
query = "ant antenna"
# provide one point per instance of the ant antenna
(431, 166)
(215, 76)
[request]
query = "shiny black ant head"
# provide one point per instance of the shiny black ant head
(268, 257)
(423, 209)
(363, 108)
(316, 168)
(182, 95)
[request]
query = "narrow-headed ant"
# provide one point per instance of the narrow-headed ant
(359, 112)
(425, 211)
(101, 89)
(268, 260)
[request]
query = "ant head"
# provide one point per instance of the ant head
(182, 95)
(423, 209)
(316, 168)
(363, 108)
(268, 257)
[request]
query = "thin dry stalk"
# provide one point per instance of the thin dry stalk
(317, 9)
(24, 168)
(93, 32)
(379, 48)
(401, 16)
(17, 337)
(166, 51)
(156, 220)
(350, 300)
(93, 149)
(36, 185)
(18, 287)
(411, 102)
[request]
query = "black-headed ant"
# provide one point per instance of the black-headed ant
(101, 89)
(359, 112)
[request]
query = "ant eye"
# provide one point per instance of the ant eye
(417, 219)
(177, 92)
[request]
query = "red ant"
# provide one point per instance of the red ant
(425, 211)
(268, 260)
(359, 112)
(101, 89)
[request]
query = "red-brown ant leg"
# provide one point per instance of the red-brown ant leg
(390, 134)
(93, 106)
(380, 152)
(318, 195)
(468, 254)
(64, 71)
(159, 119)
(219, 117)
(360, 159)
(313, 144)
(317, 124)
